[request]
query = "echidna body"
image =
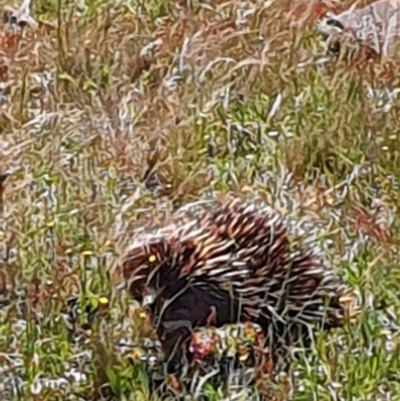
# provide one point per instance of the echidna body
(233, 261)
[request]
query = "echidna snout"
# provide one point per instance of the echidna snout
(142, 266)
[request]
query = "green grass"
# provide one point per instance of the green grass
(101, 140)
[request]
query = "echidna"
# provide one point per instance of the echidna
(231, 261)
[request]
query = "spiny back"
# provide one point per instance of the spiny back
(241, 249)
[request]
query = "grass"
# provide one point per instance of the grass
(114, 113)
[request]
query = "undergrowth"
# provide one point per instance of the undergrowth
(112, 114)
